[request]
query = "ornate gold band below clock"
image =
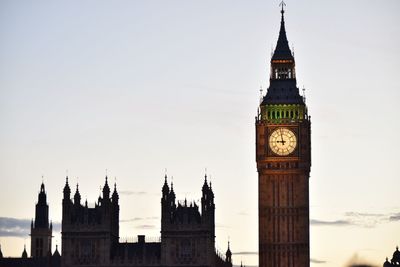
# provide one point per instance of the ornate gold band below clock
(282, 141)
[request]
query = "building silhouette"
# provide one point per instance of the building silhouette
(41, 235)
(395, 261)
(41, 230)
(283, 155)
(90, 235)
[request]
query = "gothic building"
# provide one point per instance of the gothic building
(283, 155)
(90, 235)
(41, 234)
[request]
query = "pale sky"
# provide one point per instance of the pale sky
(139, 86)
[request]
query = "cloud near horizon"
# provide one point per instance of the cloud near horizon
(135, 219)
(318, 261)
(328, 223)
(363, 219)
(14, 227)
(245, 253)
(130, 193)
(395, 217)
(145, 226)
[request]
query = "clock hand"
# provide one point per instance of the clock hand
(281, 135)
(283, 142)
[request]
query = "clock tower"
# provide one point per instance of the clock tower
(283, 155)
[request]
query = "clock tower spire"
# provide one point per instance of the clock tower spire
(283, 155)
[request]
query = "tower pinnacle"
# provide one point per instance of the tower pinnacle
(282, 50)
(282, 4)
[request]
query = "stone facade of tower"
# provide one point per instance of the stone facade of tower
(283, 155)
(41, 229)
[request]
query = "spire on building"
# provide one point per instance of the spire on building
(387, 263)
(228, 254)
(282, 50)
(42, 195)
(283, 88)
(106, 190)
(42, 210)
(165, 188)
(115, 196)
(99, 199)
(172, 187)
(24, 253)
(205, 185)
(77, 196)
(172, 193)
(67, 190)
(56, 253)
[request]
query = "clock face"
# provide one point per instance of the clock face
(282, 141)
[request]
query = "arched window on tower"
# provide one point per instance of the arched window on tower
(290, 74)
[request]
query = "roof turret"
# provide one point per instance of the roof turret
(77, 196)
(165, 188)
(115, 196)
(106, 190)
(387, 263)
(24, 253)
(56, 253)
(205, 185)
(396, 256)
(228, 251)
(172, 193)
(67, 190)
